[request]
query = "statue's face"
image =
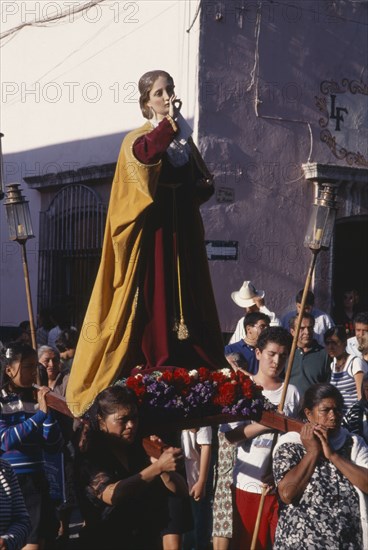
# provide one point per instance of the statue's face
(159, 97)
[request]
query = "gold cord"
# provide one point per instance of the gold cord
(180, 327)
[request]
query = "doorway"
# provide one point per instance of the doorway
(350, 262)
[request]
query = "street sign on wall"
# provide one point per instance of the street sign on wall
(222, 250)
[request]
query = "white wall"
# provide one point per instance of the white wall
(69, 92)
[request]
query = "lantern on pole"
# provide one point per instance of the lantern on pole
(318, 237)
(322, 221)
(20, 230)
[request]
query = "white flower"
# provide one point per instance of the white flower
(226, 372)
(193, 374)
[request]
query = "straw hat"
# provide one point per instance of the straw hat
(244, 297)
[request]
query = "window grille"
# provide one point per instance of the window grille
(70, 240)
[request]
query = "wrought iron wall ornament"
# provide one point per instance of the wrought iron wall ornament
(329, 88)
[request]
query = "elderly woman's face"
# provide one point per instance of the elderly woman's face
(327, 414)
(51, 362)
(122, 424)
(159, 96)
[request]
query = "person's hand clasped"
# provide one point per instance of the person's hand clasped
(41, 398)
(171, 460)
(322, 434)
(309, 439)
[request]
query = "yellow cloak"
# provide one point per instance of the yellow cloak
(106, 330)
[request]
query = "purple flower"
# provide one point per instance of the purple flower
(195, 399)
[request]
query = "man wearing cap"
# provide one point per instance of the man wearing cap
(251, 299)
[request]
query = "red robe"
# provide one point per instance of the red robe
(173, 227)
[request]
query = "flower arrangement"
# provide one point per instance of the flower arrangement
(197, 393)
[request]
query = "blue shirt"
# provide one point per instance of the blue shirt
(247, 352)
(25, 432)
(15, 524)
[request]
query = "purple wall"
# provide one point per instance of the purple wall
(268, 72)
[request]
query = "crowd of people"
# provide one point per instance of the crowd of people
(204, 491)
(236, 487)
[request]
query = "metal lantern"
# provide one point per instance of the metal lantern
(318, 237)
(322, 221)
(18, 215)
(20, 230)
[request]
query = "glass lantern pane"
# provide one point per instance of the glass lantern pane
(329, 228)
(320, 227)
(19, 221)
(12, 221)
(27, 220)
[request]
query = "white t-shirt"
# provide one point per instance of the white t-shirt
(352, 347)
(191, 442)
(252, 458)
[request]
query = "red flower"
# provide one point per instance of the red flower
(182, 377)
(218, 377)
(167, 376)
(226, 394)
(204, 374)
(247, 388)
(135, 384)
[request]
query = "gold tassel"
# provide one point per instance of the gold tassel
(183, 332)
(180, 327)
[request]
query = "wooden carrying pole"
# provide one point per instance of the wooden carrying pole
(28, 294)
(271, 419)
(299, 320)
(280, 407)
(154, 448)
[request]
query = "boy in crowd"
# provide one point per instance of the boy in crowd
(254, 445)
(357, 344)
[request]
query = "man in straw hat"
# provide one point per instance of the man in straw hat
(250, 299)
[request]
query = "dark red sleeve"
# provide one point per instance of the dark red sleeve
(149, 148)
